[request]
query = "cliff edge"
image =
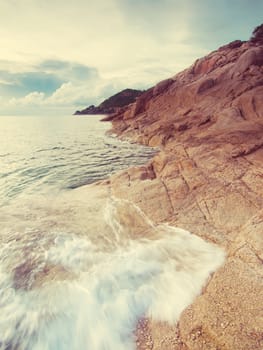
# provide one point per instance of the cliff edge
(208, 179)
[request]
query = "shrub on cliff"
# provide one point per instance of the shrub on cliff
(257, 35)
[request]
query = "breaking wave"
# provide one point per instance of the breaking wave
(88, 289)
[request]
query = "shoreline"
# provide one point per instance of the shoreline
(206, 179)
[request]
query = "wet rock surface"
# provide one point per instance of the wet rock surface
(208, 179)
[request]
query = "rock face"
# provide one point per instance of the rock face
(207, 178)
(113, 104)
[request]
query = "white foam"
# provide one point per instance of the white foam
(156, 277)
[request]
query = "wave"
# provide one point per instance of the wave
(88, 289)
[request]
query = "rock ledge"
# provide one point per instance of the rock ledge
(208, 179)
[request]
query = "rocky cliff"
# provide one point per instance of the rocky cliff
(207, 178)
(112, 104)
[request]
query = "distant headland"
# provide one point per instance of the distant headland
(112, 104)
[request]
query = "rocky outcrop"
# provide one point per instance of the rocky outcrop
(113, 104)
(207, 178)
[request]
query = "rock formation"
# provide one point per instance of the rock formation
(113, 104)
(208, 179)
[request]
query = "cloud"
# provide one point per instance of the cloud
(161, 20)
(53, 65)
(81, 95)
(32, 99)
(39, 81)
(54, 83)
(69, 96)
(20, 84)
(66, 94)
(58, 47)
(47, 76)
(51, 82)
(67, 70)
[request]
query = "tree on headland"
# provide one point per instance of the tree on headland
(257, 35)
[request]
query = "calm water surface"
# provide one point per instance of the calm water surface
(59, 153)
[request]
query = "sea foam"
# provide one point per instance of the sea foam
(105, 287)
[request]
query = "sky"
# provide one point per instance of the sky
(61, 55)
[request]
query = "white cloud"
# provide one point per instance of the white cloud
(79, 95)
(69, 95)
(104, 34)
(94, 48)
(34, 98)
(5, 82)
(63, 95)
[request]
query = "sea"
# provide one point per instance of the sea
(79, 267)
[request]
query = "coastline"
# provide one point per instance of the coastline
(207, 178)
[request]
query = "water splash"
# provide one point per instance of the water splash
(60, 290)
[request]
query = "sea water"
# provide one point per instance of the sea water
(75, 273)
